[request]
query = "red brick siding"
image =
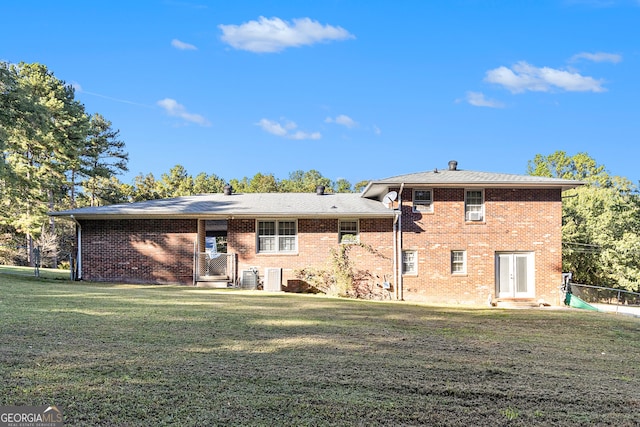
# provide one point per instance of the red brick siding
(138, 251)
(516, 220)
(316, 237)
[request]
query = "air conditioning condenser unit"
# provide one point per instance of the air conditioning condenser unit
(272, 279)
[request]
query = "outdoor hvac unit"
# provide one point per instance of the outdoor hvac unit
(475, 216)
(273, 279)
(249, 279)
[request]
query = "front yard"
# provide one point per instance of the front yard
(162, 355)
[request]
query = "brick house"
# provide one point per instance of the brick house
(443, 236)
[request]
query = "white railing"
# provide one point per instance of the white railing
(214, 266)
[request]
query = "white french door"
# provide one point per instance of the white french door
(515, 275)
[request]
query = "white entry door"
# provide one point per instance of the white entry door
(515, 275)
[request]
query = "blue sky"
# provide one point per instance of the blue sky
(354, 89)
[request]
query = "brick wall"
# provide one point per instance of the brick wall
(316, 237)
(516, 220)
(138, 251)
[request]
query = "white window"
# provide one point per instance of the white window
(348, 231)
(409, 262)
(277, 236)
(474, 205)
(422, 200)
(458, 262)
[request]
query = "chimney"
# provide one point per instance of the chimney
(227, 190)
(453, 165)
(320, 190)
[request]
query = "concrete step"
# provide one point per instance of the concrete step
(515, 303)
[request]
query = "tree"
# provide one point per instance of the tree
(176, 183)
(102, 156)
(601, 221)
(40, 144)
(204, 183)
(304, 182)
(102, 191)
(360, 186)
(145, 188)
(263, 184)
(342, 186)
(580, 167)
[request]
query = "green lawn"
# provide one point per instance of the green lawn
(163, 355)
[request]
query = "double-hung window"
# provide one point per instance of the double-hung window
(348, 231)
(474, 205)
(458, 262)
(277, 236)
(409, 262)
(422, 200)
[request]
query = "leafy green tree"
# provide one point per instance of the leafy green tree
(342, 186)
(102, 191)
(204, 183)
(176, 183)
(145, 187)
(240, 186)
(359, 186)
(601, 221)
(304, 182)
(263, 184)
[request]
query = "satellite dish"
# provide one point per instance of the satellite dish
(389, 198)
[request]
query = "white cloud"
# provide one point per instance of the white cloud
(182, 45)
(479, 100)
(275, 35)
(272, 127)
(279, 129)
(342, 120)
(524, 77)
(376, 130)
(172, 108)
(597, 57)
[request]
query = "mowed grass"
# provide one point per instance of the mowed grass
(125, 355)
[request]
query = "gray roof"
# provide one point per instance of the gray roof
(465, 178)
(248, 205)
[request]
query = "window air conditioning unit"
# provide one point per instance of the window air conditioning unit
(249, 279)
(272, 279)
(475, 216)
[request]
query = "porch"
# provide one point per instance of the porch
(213, 267)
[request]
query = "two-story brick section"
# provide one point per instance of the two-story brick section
(442, 236)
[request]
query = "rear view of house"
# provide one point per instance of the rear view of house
(442, 236)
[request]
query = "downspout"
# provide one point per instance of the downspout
(79, 253)
(395, 255)
(399, 268)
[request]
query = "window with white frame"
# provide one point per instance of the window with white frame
(458, 262)
(348, 231)
(277, 236)
(422, 200)
(409, 262)
(474, 205)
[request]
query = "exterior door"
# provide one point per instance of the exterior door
(514, 275)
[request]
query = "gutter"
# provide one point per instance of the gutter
(79, 254)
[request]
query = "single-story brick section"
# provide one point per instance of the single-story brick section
(442, 236)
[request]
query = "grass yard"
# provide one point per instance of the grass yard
(125, 355)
